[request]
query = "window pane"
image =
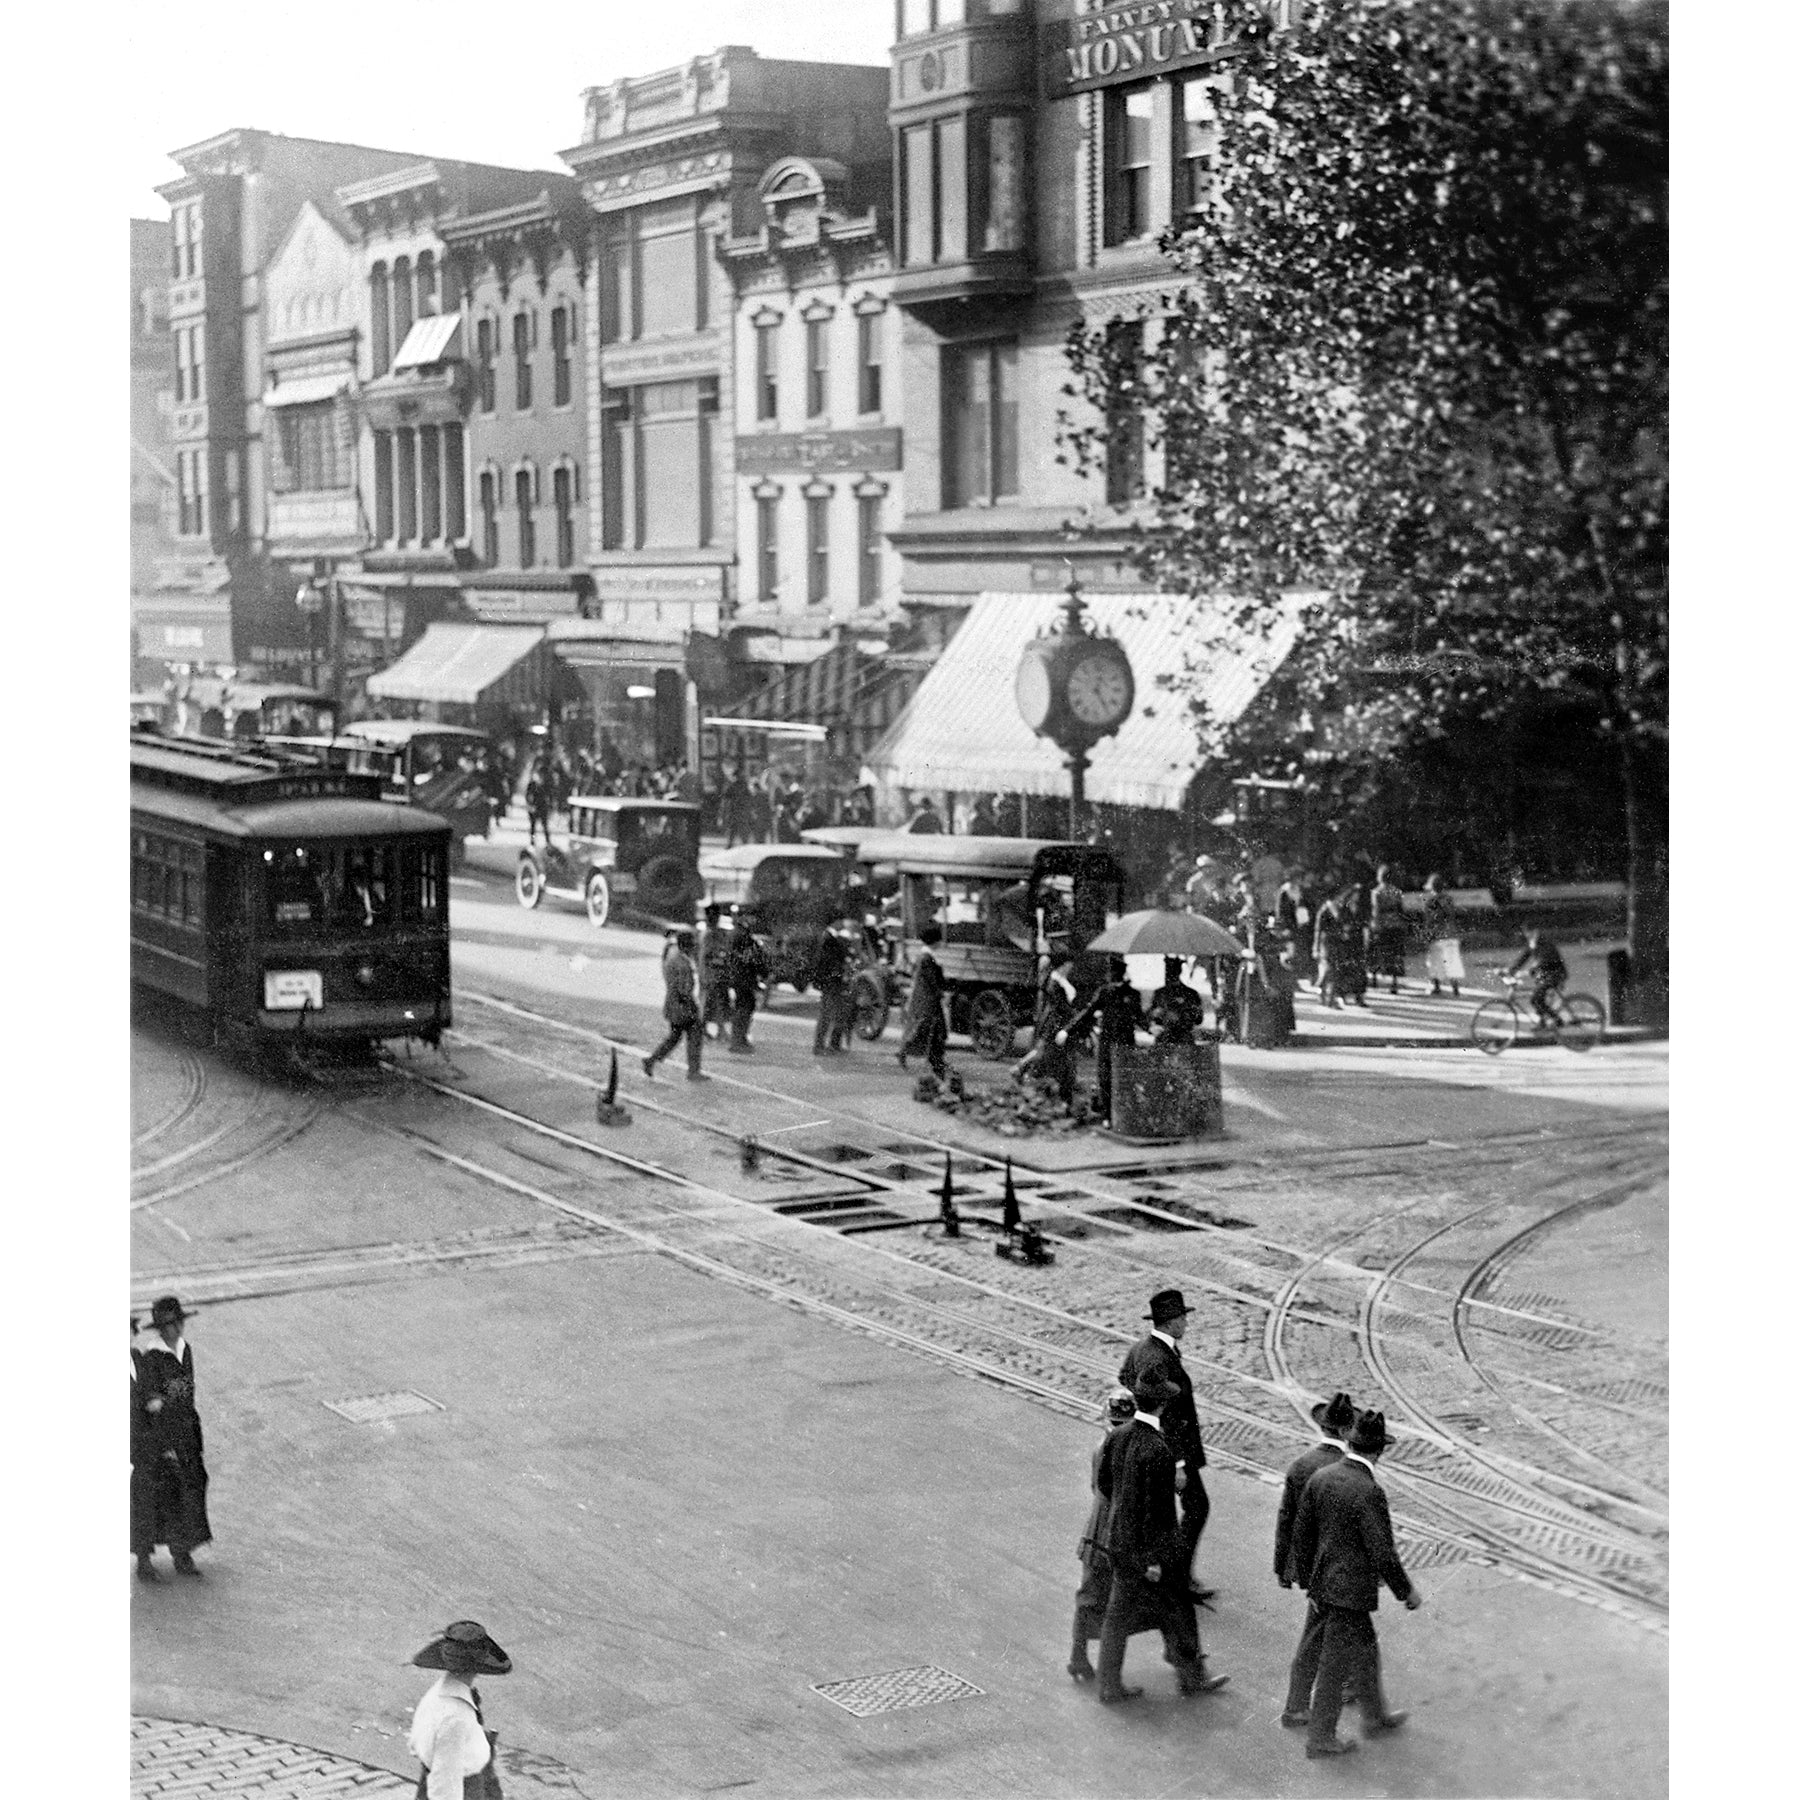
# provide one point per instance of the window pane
(669, 485)
(1006, 420)
(403, 300)
(384, 487)
(817, 371)
(966, 402)
(1197, 144)
(868, 533)
(615, 447)
(521, 336)
(767, 549)
(454, 523)
(915, 17)
(818, 549)
(768, 383)
(1006, 184)
(921, 214)
(380, 351)
(868, 357)
(431, 491)
(522, 495)
(406, 485)
(953, 190)
(667, 275)
(427, 284)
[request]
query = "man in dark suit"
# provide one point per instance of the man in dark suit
(1344, 1550)
(1158, 1356)
(1334, 1419)
(1144, 1544)
(1116, 1005)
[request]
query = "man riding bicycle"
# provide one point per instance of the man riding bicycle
(1549, 972)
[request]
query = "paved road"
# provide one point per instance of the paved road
(686, 1509)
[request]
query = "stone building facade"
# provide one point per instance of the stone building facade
(157, 641)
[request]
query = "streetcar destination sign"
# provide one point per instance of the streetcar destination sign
(293, 990)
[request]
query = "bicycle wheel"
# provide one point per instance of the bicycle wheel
(1494, 1026)
(1582, 1023)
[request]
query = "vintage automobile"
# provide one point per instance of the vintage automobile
(639, 855)
(1002, 904)
(791, 892)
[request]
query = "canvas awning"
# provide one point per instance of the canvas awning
(962, 730)
(306, 390)
(430, 340)
(457, 663)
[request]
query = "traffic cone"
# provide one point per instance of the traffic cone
(607, 1110)
(947, 1205)
(1009, 1205)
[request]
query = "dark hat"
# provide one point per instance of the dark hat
(1167, 1305)
(1335, 1416)
(1369, 1433)
(1152, 1390)
(464, 1649)
(166, 1310)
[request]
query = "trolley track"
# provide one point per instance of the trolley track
(1508, 1524)
(193, 1091)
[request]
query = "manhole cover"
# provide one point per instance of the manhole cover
(371, 1409)
(865, 1695)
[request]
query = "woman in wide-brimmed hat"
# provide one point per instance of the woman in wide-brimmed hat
(174, 1446)
(449, 1736)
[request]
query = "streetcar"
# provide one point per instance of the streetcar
(283, 897)
(446, 769)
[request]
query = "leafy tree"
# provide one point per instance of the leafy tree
(1416, 364)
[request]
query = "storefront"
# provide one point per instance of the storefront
(499, 678)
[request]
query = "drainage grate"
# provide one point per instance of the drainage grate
(1429, 1553)
(1630, 1392)
(371, 1409)
(865, 1695)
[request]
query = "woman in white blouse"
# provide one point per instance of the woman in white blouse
(449, 1736)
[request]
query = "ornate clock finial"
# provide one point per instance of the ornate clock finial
(1074, 618)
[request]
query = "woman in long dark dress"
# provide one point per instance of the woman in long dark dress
(1353, 965)
(1387, 931)
(173, 1443)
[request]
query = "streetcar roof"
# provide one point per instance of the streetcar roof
(326, 816)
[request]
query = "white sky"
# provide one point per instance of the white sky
(494, 82)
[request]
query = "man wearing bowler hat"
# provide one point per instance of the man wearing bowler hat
(1334, 1417)
(1343, 1550)
(449, 1736)
(174, 1443)
(1157, 1357)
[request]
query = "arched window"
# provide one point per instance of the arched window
(487, 362)
(525, 497)
(425, 278)
(565, 490)
(524, 329)
(562, 349)
(490, 516)
(403, 300)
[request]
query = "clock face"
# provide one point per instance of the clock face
(1099, 691)
(1032, 691)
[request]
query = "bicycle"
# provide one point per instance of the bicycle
(1578, 1021)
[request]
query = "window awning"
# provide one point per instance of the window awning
(306, 390)
(431, 340)
(460, 664)
(962, 730)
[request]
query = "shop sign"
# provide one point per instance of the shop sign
(821, 452)
(1107, 43)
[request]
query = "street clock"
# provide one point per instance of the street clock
(1074, 686)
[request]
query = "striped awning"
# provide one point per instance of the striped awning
(962, 730)
(456, 663)
(432, 339)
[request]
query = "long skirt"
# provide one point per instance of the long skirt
(1387, 951)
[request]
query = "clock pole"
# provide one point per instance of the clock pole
(1078, 766)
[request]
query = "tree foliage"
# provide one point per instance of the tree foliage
(1416, 364)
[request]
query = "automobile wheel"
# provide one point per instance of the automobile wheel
(528, 883)
(868, 1007)
(599, 899)
(1495, 1026)
(1583, 1023)
(991, 1025)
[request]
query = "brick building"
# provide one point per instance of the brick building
(231, 209)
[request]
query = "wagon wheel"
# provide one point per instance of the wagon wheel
(868, 1006)
(528, 883)
(599, 899)
(991, 1025)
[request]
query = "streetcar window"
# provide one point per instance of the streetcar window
(296, 896)
(362, 881)
(421, 886)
